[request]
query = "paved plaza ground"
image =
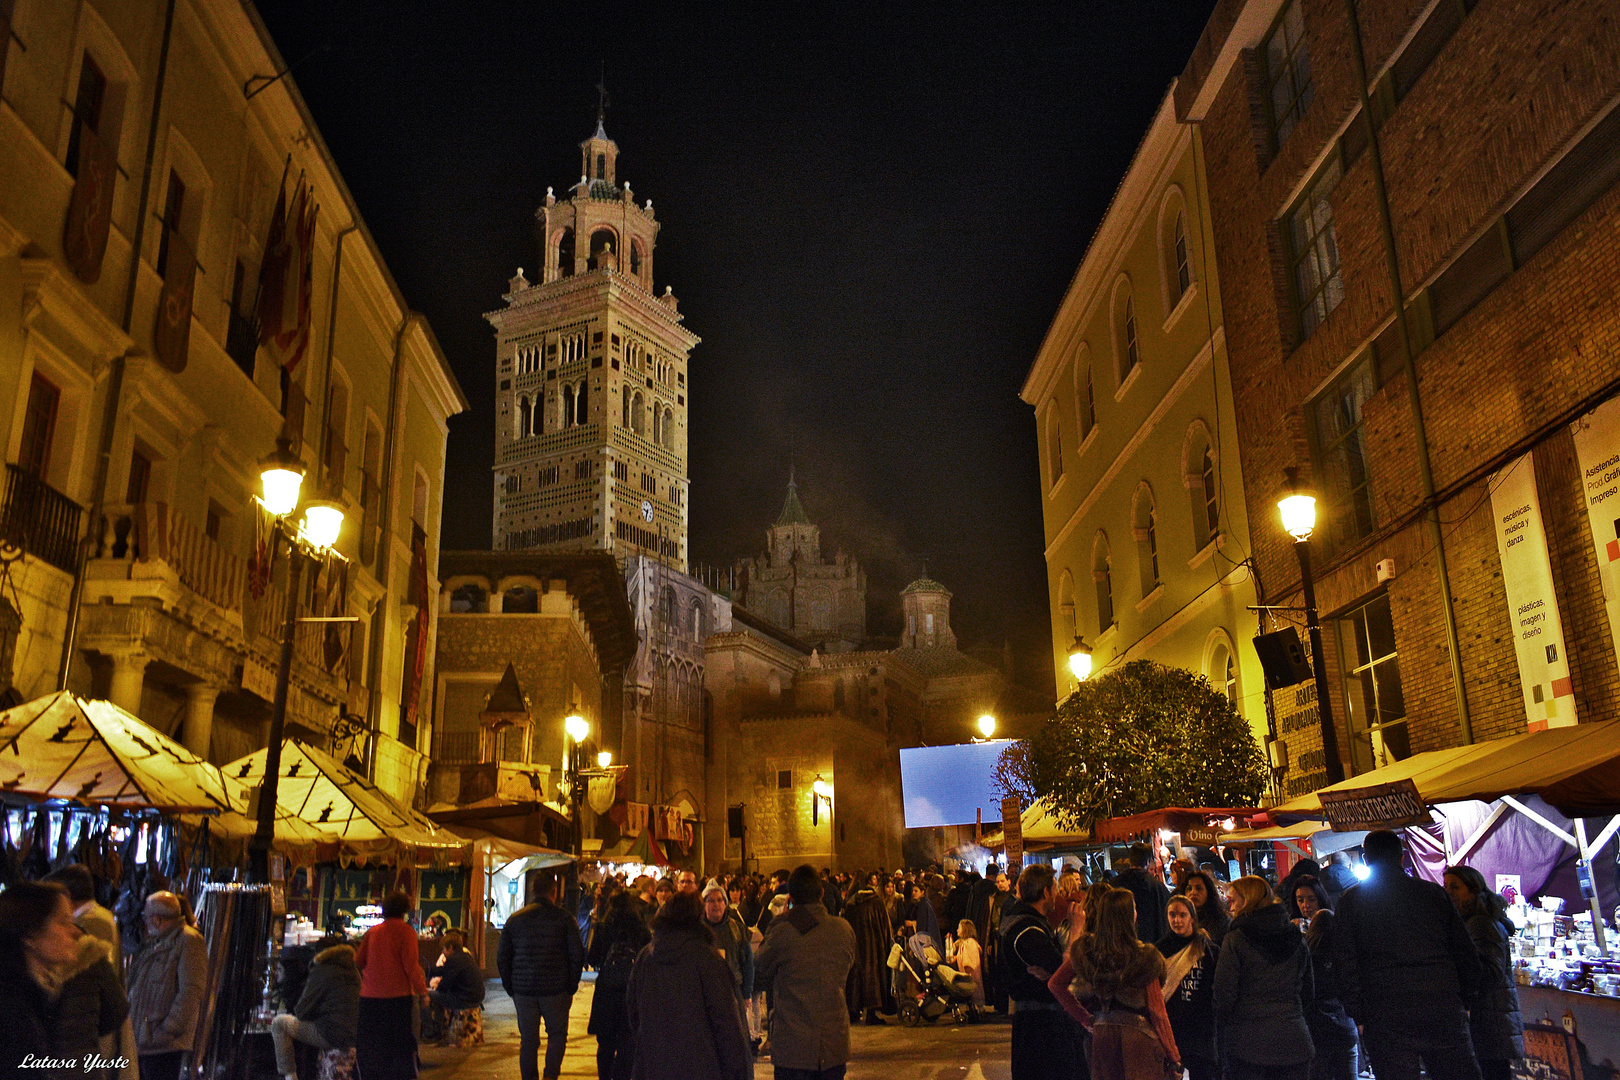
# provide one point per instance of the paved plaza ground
(941, 1052)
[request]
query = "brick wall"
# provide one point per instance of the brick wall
(1515, 84)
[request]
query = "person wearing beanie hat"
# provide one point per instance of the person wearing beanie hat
(732, 938)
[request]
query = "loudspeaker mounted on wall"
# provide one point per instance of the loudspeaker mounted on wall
(1282, 657)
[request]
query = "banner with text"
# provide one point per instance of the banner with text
(1597, 449)
(1538, 632)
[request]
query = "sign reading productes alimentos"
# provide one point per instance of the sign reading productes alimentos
(1384, 806)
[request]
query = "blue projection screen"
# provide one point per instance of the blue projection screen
(950, 785)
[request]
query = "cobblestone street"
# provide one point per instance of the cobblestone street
(942, 1052)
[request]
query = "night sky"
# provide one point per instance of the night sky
(870, 214)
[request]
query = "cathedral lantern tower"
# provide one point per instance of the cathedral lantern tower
(591, 381)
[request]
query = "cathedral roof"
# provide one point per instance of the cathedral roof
(940, 662)
(924, 584)
(793, 510)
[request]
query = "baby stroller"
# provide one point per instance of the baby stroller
(926, 987)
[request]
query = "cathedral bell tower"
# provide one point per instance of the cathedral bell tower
(591, 381)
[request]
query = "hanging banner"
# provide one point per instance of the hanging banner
(89, 216)
(1012, 831)
(1597, 450)
(171, 330)
(1538, 633)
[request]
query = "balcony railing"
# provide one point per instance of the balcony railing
(147, 532)
(41, 520)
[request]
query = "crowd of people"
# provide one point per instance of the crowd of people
(1129, 977)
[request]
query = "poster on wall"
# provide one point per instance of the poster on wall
(1597, 451)
(1538, 632)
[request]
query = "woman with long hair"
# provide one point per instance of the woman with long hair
(1494, 1019)
(1332, 1030)
(682, 1005)
(391, 983)
(1189, 984)
(1113, 985)
(1262, 980)
(1205, 895)
(618, 937)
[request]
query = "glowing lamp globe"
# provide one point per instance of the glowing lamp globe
(1298, 515)
(323, 521)
(281, 474)
(578, 727)
(1080, 660)
(987, 725)
(604, 759)
(822, 788)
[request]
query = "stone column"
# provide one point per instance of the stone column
(197, 729)
(128, 673)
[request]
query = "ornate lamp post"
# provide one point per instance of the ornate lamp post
(577, 729)
(1298, 510)
(818, 791)
(282, 477)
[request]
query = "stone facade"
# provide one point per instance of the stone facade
(821, 602)
(1147, 531)
(169, 627)
(591, 376)
(1493, 126)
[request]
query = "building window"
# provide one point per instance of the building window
(524, 429)
(1342, 450)
(1288, 71)
(1102, 574)
(582, 470)
(1212, 501)
(86, 109)
(1054, 446)
(140, 478)
(669, 428)
(1182, 257)
(784, 778)
(1126, 344)
(39, 427)
(1086, 400)
(1318, 287)
(582, 413)
(1145, 528)
(214, 524)
(567, 406)
(565, 254)
(1372, 688)
(173, 207)
(1222, 672)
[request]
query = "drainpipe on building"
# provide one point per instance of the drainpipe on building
(115, 378)
(1409, 367)
(385, 552)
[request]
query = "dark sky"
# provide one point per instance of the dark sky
(870, 213)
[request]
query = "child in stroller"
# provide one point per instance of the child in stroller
(926, 988)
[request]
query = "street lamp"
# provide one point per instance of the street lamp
(1298, 510)
(987, 726)
(604, 759)
(1080, 659)
(282, 477)
(578, 729)
(818, 791)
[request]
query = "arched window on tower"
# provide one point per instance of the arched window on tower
(524, 430)
(1202, 481)
(582, 405)
(625, 422)
(565, 254)
(635, 258)
(567, 406)
(669, 428)
(638, 414)
(602, 241)
(658, 422)
(601, 166)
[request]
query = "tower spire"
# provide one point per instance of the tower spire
(601, 103)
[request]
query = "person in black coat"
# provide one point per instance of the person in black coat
(1332, 1030)
(1213, 918)
(1262, 982)
(1190, 956)
(458, 981)
(1151, 895)
(682, 1006)
(540, 959)
(620, 935)
(1494, 1020)
(1406, 969)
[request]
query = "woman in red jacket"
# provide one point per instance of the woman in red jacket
(391, 981)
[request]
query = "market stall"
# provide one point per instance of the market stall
(1537, 815)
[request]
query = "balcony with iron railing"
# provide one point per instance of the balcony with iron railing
(40, 520)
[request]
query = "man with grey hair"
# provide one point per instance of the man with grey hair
(167, 981)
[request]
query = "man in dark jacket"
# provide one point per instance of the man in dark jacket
(805, 960)
(540, 959)
(1045, 1045)
(1406, 969)
(328, 1011)
(457, 982)
(1151, 895)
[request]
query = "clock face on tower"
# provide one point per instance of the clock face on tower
(646, 510)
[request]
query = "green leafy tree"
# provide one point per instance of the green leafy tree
(1137, 739)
